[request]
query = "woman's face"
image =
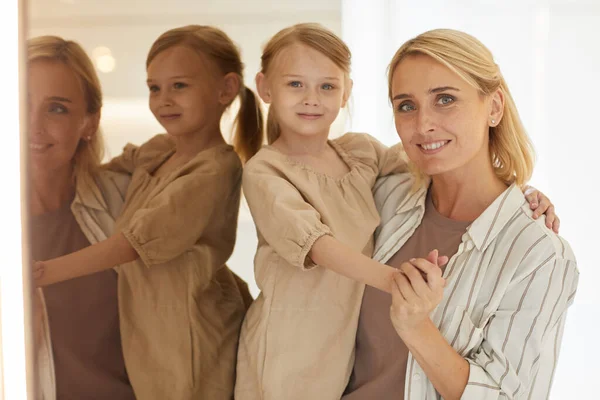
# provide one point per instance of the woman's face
(58, 117)
(443, 121)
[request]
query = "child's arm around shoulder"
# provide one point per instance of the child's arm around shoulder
(387, 160)
(133, 154)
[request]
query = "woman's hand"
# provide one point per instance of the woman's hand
(540, 204)
(417, 288)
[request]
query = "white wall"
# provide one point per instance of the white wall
(549, 54)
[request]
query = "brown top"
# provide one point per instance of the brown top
(83, 317)
(306, 314)
(381, 356)
(181, 307)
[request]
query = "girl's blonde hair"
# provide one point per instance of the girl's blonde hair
(510, 148)
(218, 47)
(89, 153)
(314, 36)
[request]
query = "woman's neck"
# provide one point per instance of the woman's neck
(50, 190)
(464, 194)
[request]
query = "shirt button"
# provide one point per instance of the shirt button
(470, 245)
(416, 377)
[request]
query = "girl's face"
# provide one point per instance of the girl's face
(184, 91)
(58, 117)
(306, 90)
(443, 121)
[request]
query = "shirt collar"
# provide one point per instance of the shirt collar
(487, 226)
(415, 198)
(88, 194)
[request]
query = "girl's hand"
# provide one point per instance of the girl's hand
(38, 272)
(540, 204)
(417, 288)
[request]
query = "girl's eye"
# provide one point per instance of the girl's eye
(57, 109)
(153, 88)
(179, 85)
(327, 86)
(445, 99)
(295, 84)
(406, 107)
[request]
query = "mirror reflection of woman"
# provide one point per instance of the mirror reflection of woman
(72, 204)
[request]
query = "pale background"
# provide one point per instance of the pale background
(548, 52)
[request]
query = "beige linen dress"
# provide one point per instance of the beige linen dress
(282, 337)
(180, 306)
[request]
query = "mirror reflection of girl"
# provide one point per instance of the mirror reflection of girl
(311, 199)
(181, 308)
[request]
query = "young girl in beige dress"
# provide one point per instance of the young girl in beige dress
(311, 199)
(180, 306)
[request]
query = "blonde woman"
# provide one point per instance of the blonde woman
(72, 204)
(489, 324)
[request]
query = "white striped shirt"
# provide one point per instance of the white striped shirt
(508, 290)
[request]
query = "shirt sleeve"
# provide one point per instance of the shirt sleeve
(286, 221)
(176, 218)
(520, 344)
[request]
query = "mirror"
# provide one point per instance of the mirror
(101, 28)
(547, 51)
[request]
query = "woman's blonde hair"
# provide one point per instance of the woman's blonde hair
(89, 153)
(510, 148)
(314, 36)
(218, 47)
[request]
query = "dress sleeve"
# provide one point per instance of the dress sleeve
(175, 219)
(125, 162)
(390, 160)
(287, 222)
